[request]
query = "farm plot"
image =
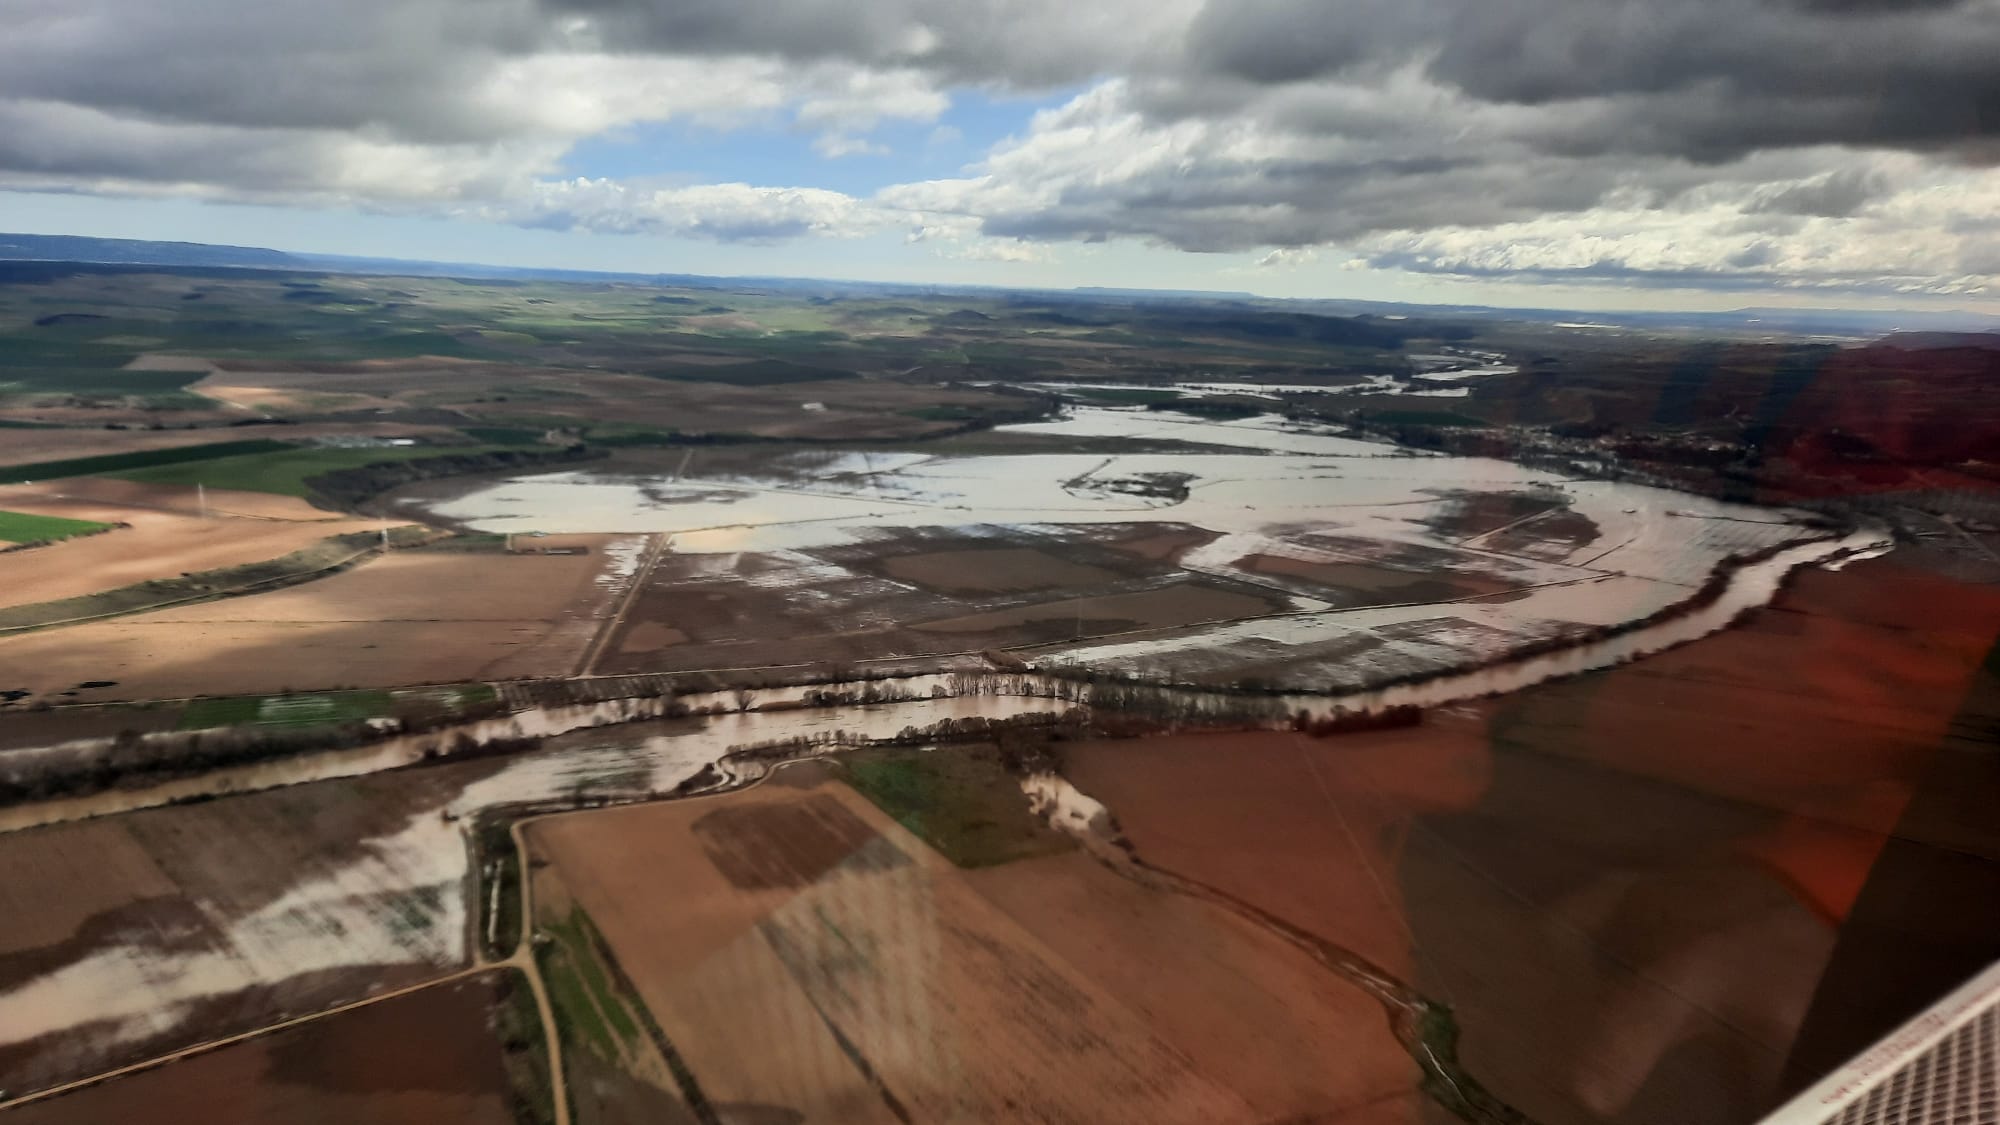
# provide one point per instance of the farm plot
(1181, 603)
(1353, 583)
(149, 931)
(24, 729)
(925, 591)
(805, 955)
(21, 529)
(426, 1057)
(64, 439)
(1631, 886)
(691, 397)
(1361, 564)
(329, 707)
(167, 533)
(146, 931)
(61, 443)
(287, 472)
(410, 617)
(134, 460)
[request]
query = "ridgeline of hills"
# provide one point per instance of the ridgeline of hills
(1904, 327)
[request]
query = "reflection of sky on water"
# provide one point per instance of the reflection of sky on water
(1294, 478)
(812, 499)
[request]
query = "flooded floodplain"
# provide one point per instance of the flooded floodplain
(1301, 559)
(1340, 554)
(340, 876)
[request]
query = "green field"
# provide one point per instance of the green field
(590, 1009)
(284, 470)
(285, 710)
(118, 464)
(19, 527)
(322, 707)
(68, 351)
(55, 361)
(959, 799)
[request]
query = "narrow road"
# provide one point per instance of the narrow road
(524, 960)
(655, 546)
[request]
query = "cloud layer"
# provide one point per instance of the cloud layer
(1841, 143)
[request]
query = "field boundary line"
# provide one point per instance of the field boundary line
(213, 595)
(216, 1044)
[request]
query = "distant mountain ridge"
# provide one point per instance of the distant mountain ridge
(80, 248)
(1900, 327)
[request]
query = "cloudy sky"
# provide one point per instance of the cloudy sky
(1612, 153)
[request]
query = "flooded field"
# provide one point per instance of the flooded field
(210, 918)
(185, 935)
(420, 1059)
(1328, 573)
(1298, 554)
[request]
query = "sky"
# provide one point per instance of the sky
(1575, 153)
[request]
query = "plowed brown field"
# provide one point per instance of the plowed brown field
(1671, 891)
(805, 954)
(409, 617)
(425, 1058)
(134, 935)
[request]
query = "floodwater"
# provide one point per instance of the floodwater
(761, 715)
(140, 983)
(1265, 488)
(1369, 385)
(137, 985)
(734, 720)
(1749, 587)
(1262, 475)
(1270, 489)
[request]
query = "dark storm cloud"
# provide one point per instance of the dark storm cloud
(1305, 202)
(390, 65)
(1221, 125)
(1729, 76)
(1860, 7)
(1019, 43)
(1709, 79)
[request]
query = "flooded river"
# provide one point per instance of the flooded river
(725, 722)
(138, 985)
